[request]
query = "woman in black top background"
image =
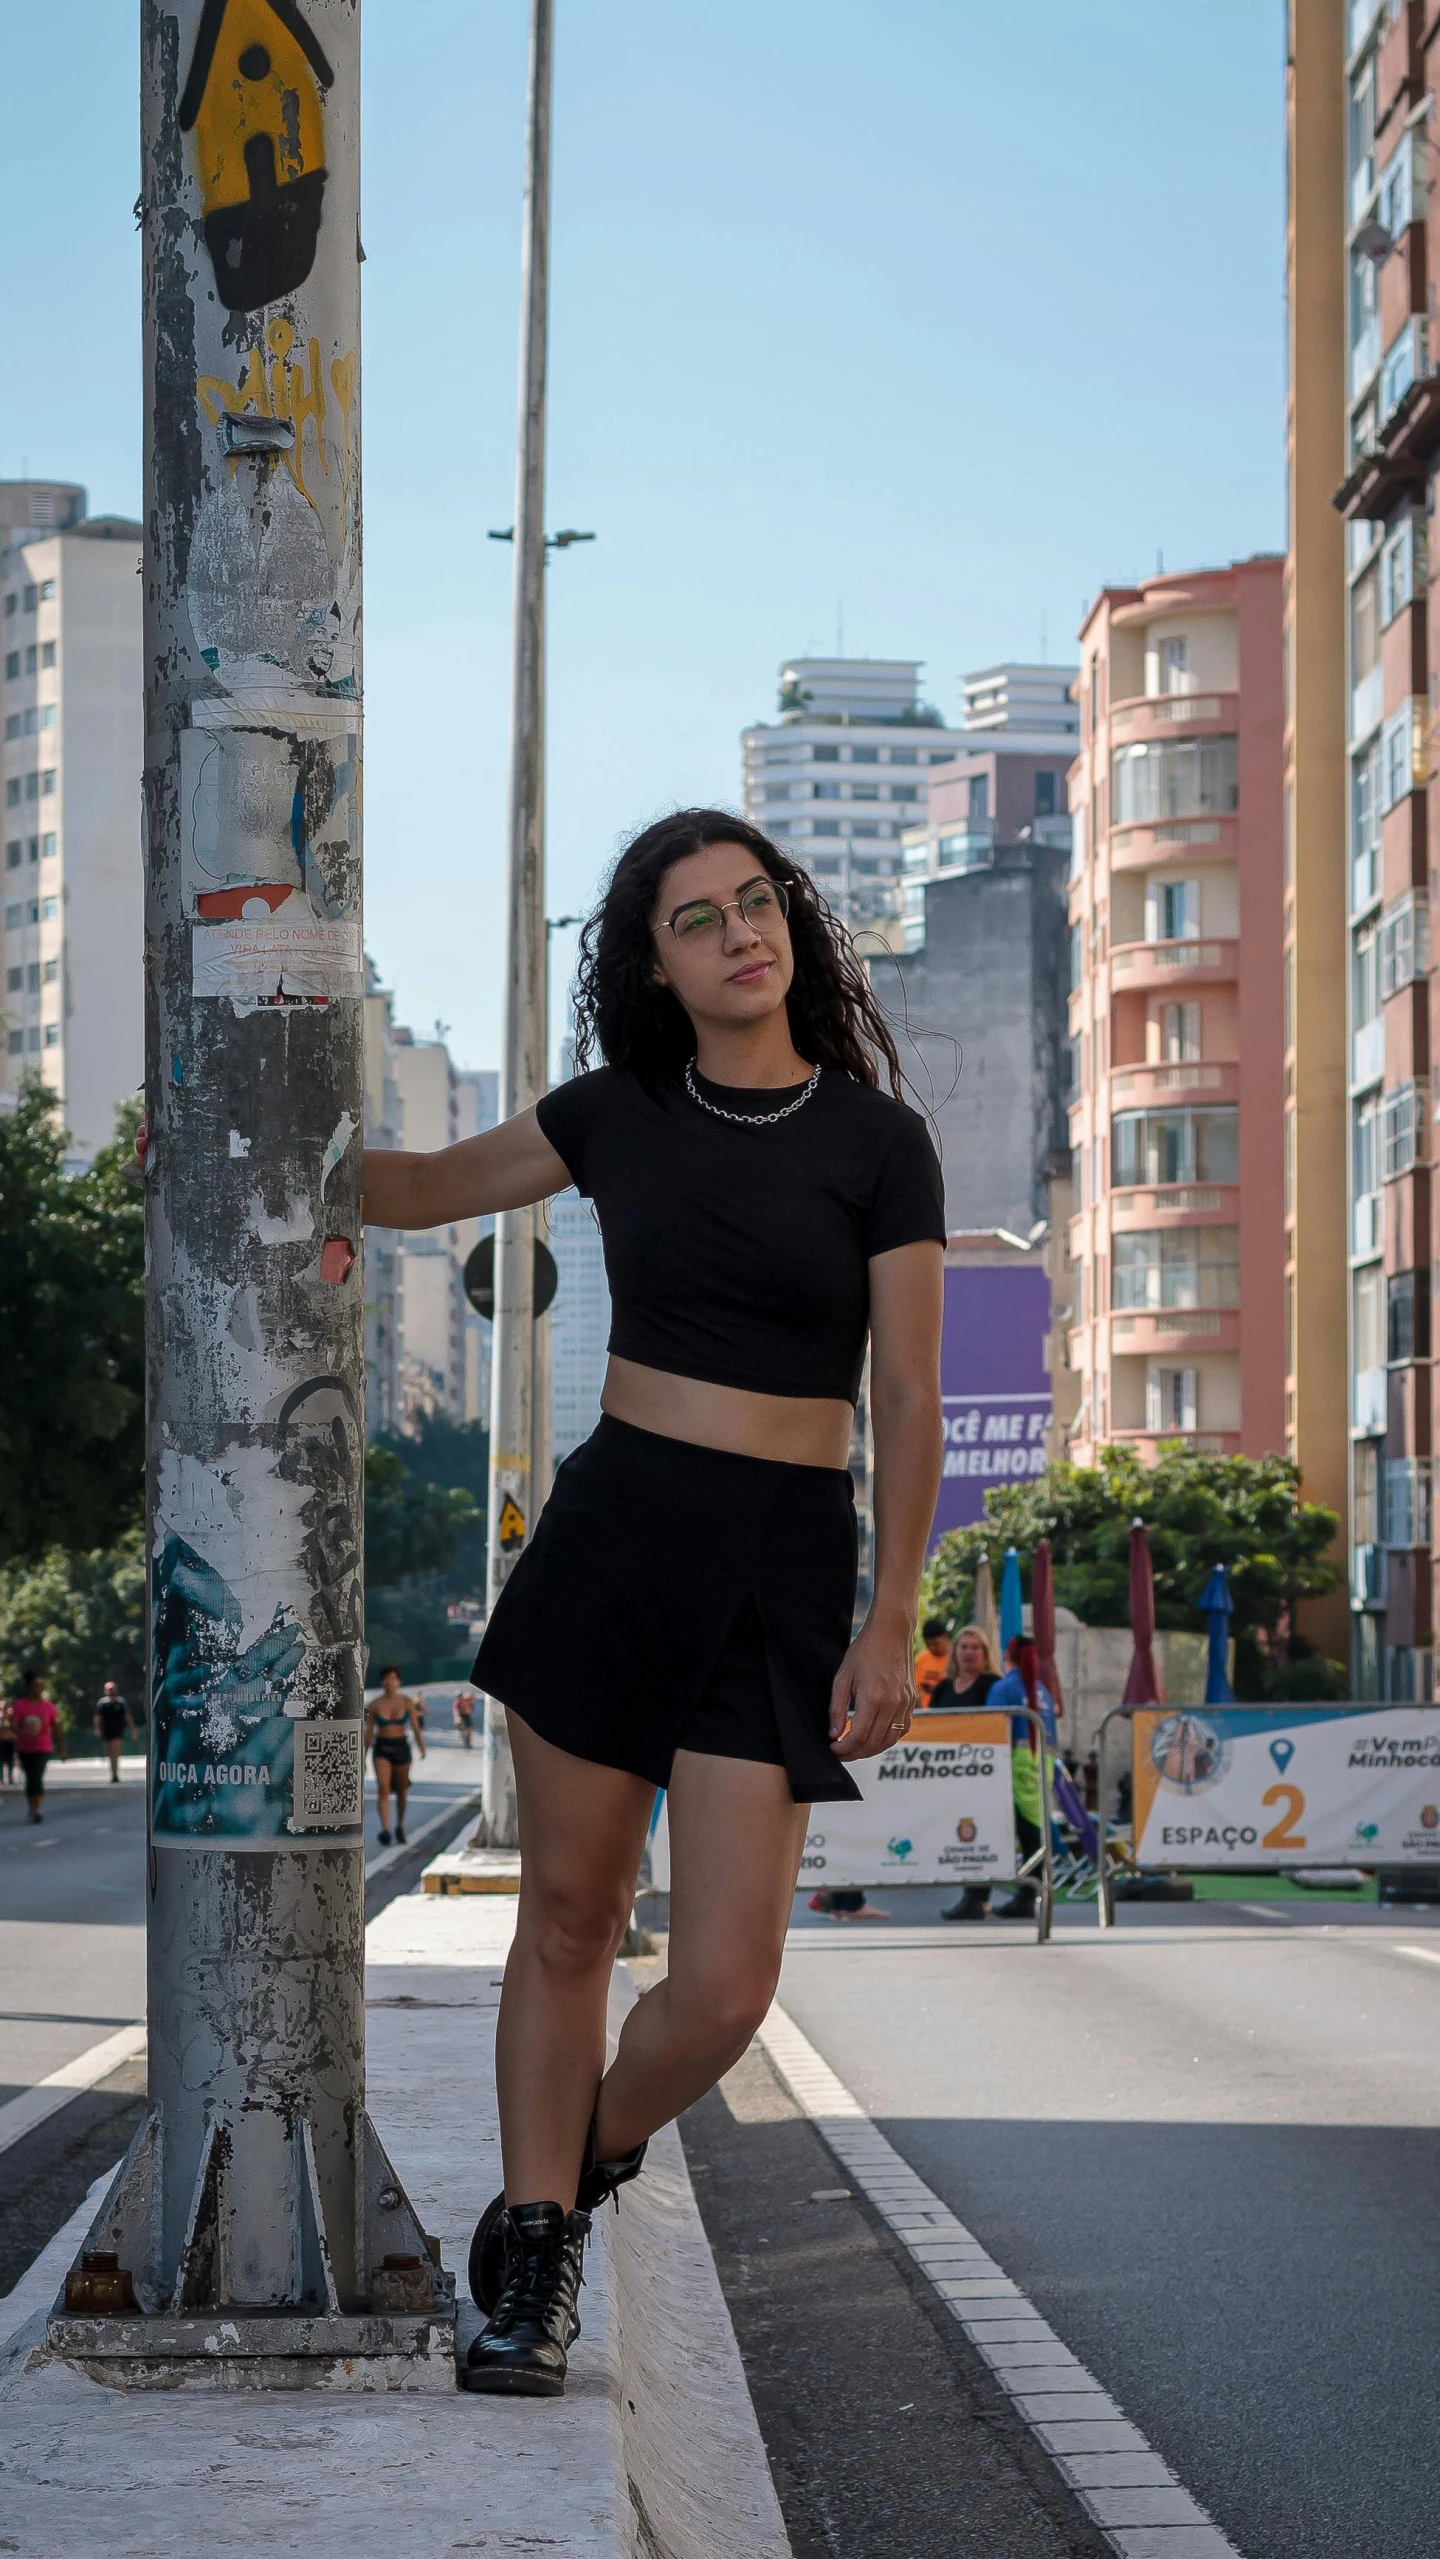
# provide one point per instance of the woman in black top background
(973, 1671)
(763, 1205)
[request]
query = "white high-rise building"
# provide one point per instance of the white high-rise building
(382, 1246)
(843, 771)
(477, 1107)
(579, 1322)
(71, 707)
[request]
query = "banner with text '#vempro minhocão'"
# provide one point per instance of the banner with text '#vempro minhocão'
(1237, 1786)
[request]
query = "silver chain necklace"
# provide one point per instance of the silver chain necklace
(749, 1119)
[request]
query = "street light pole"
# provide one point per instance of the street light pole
(515, 1488)
(255, 2230)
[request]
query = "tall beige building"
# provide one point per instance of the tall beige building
(71, 710)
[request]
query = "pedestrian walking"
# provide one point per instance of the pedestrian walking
(463, 1711)
(38, 1738)
(763, 1204)
(112, 1721)
(7, 1741)
(389, 1726)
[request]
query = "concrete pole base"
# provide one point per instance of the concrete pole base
(119, 2321)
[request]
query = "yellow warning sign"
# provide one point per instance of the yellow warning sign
(512, 1522)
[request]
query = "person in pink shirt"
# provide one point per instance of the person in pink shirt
(37, 1737)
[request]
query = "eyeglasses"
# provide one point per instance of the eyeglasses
(763, 903)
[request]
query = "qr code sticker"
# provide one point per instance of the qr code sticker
(329, 1776)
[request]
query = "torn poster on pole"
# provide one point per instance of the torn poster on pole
(263, 960)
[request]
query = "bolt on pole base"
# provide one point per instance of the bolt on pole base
(390, 2327)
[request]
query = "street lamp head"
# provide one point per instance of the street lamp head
(562, 541)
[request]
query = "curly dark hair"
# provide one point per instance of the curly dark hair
(622, 1015)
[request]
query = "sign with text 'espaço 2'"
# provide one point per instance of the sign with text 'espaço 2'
(1234, 1786)
(995, 1391)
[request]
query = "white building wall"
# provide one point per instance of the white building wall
(381, 1250)
(579, 1322)
(840, 774)
(71, 700)
(477, 1099)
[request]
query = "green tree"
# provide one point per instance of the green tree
(72, 1321)
(415, 1531)
(1243, 1512)
(81, 1619)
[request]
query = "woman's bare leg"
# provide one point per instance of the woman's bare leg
(382, 1791)
(402, 1792)
(735, 1844)
(582, 1830)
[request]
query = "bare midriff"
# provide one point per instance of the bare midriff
(798, 1430)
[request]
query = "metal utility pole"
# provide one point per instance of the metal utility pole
(515, 1488)
(255, 2230)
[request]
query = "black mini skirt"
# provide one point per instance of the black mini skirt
(681, 1598)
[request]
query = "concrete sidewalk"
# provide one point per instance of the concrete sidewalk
(654, 2453)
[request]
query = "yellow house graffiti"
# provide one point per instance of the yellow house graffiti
(254, 100)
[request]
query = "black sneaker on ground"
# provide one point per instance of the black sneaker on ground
(600, 2180)
(974, 1903)
(399, 1834)
(524, 2347)
(384, 1839)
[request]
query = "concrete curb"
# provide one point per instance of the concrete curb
(653, 2454)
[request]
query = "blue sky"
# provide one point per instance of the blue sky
(941, 315)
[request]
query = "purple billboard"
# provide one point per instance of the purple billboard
(994, 1388)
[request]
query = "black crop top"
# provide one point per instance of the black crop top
(739, 1255)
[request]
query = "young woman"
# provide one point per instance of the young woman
(392, 1719)
(763, 1205)
(39, 1737)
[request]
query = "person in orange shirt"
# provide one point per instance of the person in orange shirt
(932, 1664)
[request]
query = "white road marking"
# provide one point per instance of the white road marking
(1122, 2483)
(33, 2105)
(1419, 1954)
(415, 1838)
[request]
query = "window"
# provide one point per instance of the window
(1364, 626)
(1365, 829)
(1404, 942)
(32, 978)
(52, 1035)
(47, 715)
(31, 598)
(1077, 843)
(1192, 777)
(1365, 1153)
(15, 1041)
(1165, 1147)
(1196, 1266)
(977, 804)
(12, 792)
(1407, 1317)
(32, 786)
(1180, 1034)
(47, 783)
(32, 848)
(1172, 911)
(1170, 1399)
(1094, 695)
(1397, 756)
(860, 828)
(1407, 1502)
(827, 826)
(49, 844)
(941, 755)
(12, 724)
(903, 755)
(1077, 955)
(1046, 794)
(1362, 133)
(30, 659)
(14, 981)
(50, 974)
(864, 754)
(1077, 1177)
(12, 854)
(1175, 666)
(864, 790)
(1402, 569)
(827, 754)
(1365, 980)
(10, 603)
(1402, 1130)
(904, 791)
(1405, 360)
(49, 909)
(47, 590)
(12, 663)
(32, 722)
(779, 790)
(826, 790)
(47, 653)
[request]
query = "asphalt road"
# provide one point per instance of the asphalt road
(1206, 2147)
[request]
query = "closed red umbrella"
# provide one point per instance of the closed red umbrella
(1042, 1618)
(1142, 1688)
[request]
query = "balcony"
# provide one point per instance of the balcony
(1396, 465)
(1132, 1087)
(1147, 965)
(1147, 1444)
(1367, 1576)
(1153, 1331)
(1167, 715)
(1207, 839)
(1175, 1204)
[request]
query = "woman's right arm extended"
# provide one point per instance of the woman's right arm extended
(508, 1167)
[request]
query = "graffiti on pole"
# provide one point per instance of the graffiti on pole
(254, 101)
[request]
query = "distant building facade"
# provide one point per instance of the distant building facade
(71, 706)
(381, 1248)
(842, 772)
(1177, 1017)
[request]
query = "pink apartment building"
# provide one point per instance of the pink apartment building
(1177, 1017)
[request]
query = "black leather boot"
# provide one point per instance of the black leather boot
(599, 2181)
(525, 2344)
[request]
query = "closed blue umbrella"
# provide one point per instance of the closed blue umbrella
(1012, 1614)
(1216, 1604)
